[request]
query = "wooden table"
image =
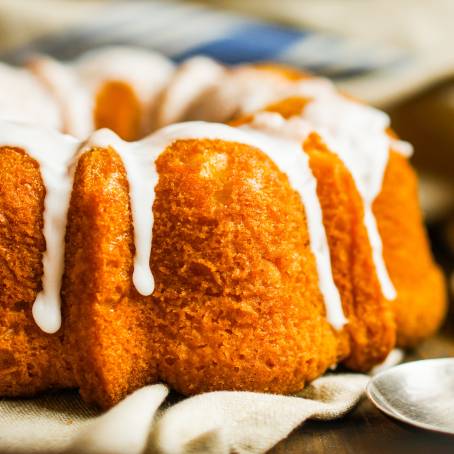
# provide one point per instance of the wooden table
(367, 430)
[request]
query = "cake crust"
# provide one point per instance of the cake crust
(31, 361)
(243, 292)
(232, 308)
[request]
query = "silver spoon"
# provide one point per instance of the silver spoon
(419, 393)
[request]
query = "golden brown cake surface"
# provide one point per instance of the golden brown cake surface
(30, 360)
(420, 305)
(232, 308)
(239, 301)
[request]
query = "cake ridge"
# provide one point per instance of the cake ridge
(279, 224)
(322, 114)
(139, 160)
(354, 131)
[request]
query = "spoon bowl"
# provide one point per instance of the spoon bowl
(420, 393)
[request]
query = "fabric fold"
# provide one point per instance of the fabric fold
(250, 423)
(124, 428)
(143, 423)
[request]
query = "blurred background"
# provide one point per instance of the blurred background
(394, 54)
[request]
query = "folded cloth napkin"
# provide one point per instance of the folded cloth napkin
(217, 422)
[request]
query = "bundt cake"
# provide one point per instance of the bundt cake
(267, 230)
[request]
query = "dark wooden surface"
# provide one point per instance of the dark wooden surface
(367, 430)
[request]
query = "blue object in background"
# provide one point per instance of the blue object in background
(181, 30)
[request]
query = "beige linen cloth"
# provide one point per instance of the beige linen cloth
(219, 422)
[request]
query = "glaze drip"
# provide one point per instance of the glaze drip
(57, 156)
(357, 134)
(139, 162)
(198, 89)
(23, 98)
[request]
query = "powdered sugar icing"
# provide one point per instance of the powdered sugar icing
(57, 156)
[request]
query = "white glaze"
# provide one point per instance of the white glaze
(24, 99)
(139, 159)
(146, 72)
(240, 91)
(76, 85)
(54, 153)
(403, 148)
(291, 160)
(139, 162)
(74, 101)
(255, 88)
(357, 134)
(58, 154)
(192, 80)
(293, 132)
(199, 89)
